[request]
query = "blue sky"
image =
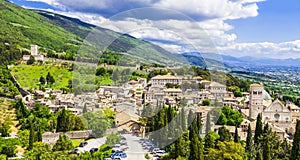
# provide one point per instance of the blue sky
(259, 28)
(278, 21)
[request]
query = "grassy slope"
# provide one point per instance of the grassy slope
(28, 75)
(23, 27)
(139, 49)
(8, 111)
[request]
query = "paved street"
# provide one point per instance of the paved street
(135, 151)
(93, 143)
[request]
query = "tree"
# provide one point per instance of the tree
(208, 123)
(5, 129)
(23, 137)
(42, 80)
(39, 137)
(116, 76)
(22, 111)
(31, 60)
(98, 122)
(206, 102)
(8, 146)
(199, 123)
(285, 150)
(84, 109)
(182, 146)
(196, 146)
(230, 117)
(295, 153)
(40, 111)
(259, 155)
(50, 79)
(258, 129)
(183, 119)
(236, 135)
(112, 139)
(224, 134)
(249, 141)
(266, 151)
(226, 150)
(63, 144)
(31, 136)
(100, 71)
(41, 151)
(62, 121)
(210, 139)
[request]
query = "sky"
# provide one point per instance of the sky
(257, 28)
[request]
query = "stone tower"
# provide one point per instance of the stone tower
(34, 50)
(256, 100)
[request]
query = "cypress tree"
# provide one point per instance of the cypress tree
(295, 153)
(266, 150)
(190, 117)
(183, 120)
(62, 122)
(249, 141)
(259, 155)
(42, 80)
(224, 134)
(199, 123)
(258, 129)
(236, 135)
(209, 141)
(84, 109)
(208, 125)
(196, 146)
(31, 136)
(39, 137)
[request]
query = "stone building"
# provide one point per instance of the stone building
(278, 114)
(34, 53)
(162, 80)
(256, 100)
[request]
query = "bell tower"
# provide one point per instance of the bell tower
(256, 100)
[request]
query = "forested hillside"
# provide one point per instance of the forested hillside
(21, 27)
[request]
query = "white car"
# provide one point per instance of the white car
(160, 153)
(116, 148)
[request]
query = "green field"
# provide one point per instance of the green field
(28, 75)
(7, 111)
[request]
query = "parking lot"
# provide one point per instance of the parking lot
(135, 150)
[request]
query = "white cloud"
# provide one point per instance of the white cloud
(209, 33)
(282, 50)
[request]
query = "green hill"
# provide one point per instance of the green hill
(21, 27)
(135, 48)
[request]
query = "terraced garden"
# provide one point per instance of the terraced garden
(7, 111)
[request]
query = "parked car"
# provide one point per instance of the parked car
(154, 150)
(93, 150)
(116, 148)
(160, 153)
(123, 138)
(76, 151)
(120, 155)
(82, 144)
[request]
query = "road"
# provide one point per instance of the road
(93, 143)
(135, 150)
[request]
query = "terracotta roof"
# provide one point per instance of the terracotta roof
(173, 90)
(256, 85)
(168, 76)
(216, 84)
(126, 116)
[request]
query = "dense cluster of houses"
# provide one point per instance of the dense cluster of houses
(129, 99)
